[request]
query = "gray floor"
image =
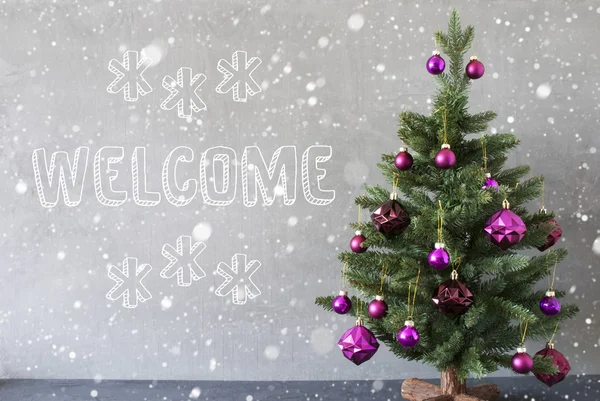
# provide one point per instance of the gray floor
(583, 388)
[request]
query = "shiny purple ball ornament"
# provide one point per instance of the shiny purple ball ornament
(403, 160)
(408, 336)
(550, 305)
(356, 243)
(504, 228)
(358, 344)
(436, 64)
(439, 258)
(490, 183)
(378, 308)
(445, 158)
(342, 304)
(475, 68)
(521, 361)
(562, 365)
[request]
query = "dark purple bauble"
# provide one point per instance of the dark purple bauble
(358, 344)
(521, 361)
(356, 243)
(553, 237)
(408, 336)
(475, 68)
(561, 363)
(342, 304)
(436, 64)
(378, 308)
(452, 298)
(490, 183)
(505, 228)
(403, 160)
(439, 258)
(445, 158)
(550, 305)
(390, 218)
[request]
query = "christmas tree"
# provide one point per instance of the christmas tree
(442, 280)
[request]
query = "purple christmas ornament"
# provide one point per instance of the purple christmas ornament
(439, 258)
(356, 243)
(436, 64)
(452, 297)
(550, 305)
(358, 344)
(342, 304)
(559, 360)
(445, 158)
(474, 68)
(390, 217)
(408, 336)
(378, 308)
(403, 160)
(521, 361)
(490, 183)
(505, 228)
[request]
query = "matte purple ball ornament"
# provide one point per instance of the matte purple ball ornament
(474, 68)
(435, 64)
(550, 305)
(522, 362)
(559, 360)
(378, 308)
(358, 344)
(408, 336)
(403, 160)
(342, 304)
(356, 243)
(390, 217)
(445, 158)
(505, 228)
(439, 258)
(490, 183)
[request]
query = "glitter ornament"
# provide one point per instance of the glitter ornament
(521, 361)
(452, 297)
(435, 64)
(356, 243)
(342, 304)
(550, 305)
(378, 308)
(403, 160)
(504, 228)
(563, 366)
(474, 68)
(390, 217)
(408, 336)
(358, 344)
(439, 258)
(445, 158)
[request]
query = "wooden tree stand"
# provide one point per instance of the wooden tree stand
(450, 389)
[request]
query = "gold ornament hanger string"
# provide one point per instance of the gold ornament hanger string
(484, 153)
(523, 330)
(411, 312)
(445, 132)
(344, 277)
(554, 334)
(551, 283)
(359, 215)
(384, 270)
(440, 223)
(455, 266)
(543, 200)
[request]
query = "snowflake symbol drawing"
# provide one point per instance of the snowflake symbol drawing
(243, 287)
(184, 93)
(183, 261)
(130, 76)
(128, 283)
(238, 76)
